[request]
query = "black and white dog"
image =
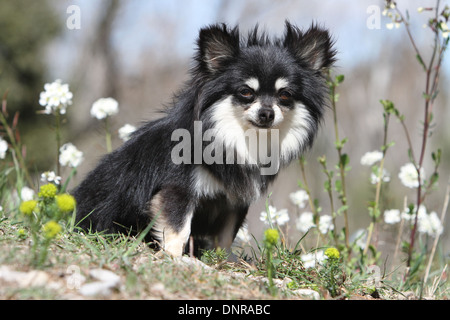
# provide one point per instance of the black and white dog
(253, 104)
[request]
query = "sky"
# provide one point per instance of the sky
(170, 27)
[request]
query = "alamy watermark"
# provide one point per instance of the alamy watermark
(256, 147)
(373, 21)
(73, 21)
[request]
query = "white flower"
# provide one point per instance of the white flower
(50, 176)
(359, 237)
(3, 148)
(56, 97)
(305, 221)
(445, 30)
(104, 107)
(325, 224)
(126, 131)
(409, 177)
(411, 216)
(420, 9)
(243, 234)
(310, 259)
(392, 216)
(374, 176)
(426, 223)
(26, 194)
(279, 217)
(70, 155)
(370, 158)
(299, 198)
(430, 224)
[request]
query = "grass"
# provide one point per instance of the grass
(145, 274)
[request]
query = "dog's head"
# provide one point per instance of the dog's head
(257, 82)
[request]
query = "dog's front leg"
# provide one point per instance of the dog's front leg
(172, 213)
(174, 241)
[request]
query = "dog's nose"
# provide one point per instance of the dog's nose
(266, 115)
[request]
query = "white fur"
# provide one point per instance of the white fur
(174, 242)
(279, 117)
(281, 83)
(253, 83)
(205, 184)
(230, 127)
(171, 241)
(231, 123)
(294, 131)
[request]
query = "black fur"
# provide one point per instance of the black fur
(116, 196)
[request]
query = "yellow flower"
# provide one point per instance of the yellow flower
(65, 202)
(51, 229)
(48, 191)
(271, 237)
(332, 253)
(28, 207)
(21, 234)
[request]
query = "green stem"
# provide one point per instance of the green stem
(270, 270)
(58, 141)
(343, 196)
(16, 147)
(108, 136)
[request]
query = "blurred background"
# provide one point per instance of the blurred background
(139, 52)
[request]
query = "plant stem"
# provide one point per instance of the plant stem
(306, 187)
(270, 271)
(436, 239)
(379, 182)
(15, 145)
(108, 136)
(322, 161)
(429, 98)
(343, 196)
(58, 140)
(430, 95)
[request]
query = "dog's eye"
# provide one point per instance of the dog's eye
(285, 96)
(246, 93)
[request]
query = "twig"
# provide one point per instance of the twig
(436, 240)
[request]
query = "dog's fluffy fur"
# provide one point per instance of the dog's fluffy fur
(236, 84)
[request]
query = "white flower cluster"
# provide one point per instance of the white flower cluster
(299, 198)
(50, 176)
(26, 193)
(306, 220)
(427, 223)
(395, 18)
(445, 30)
(243, 234)
(104, 107)
(70, 155)
(3, 148)
(442, 24)
(409, 177)
(279, 217)
(311, 259)
(56, 97)
(372, 157)
(126, 131)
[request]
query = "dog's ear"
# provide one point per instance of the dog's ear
(217, 47)
(315, 46)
